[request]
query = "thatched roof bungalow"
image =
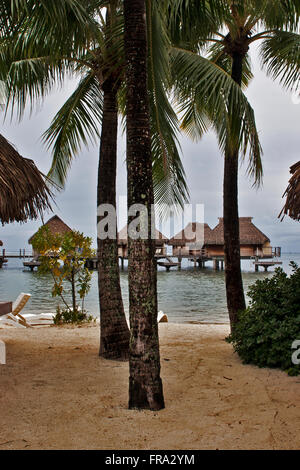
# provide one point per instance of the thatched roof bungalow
(292, 193)
(55, 225)
(24, 193)
(211, 242)
(253, 242)
(160, 242)
(191, 240)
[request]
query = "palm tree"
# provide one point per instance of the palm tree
(145, 385)
(114, 332)
(97, 100)
(35, 68)
(107, 66)
(227, 30)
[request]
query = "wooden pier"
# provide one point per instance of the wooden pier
(163, 260)
(2, 261)
(21, 253)
(169, 263)
(265, 264)
(32, 264)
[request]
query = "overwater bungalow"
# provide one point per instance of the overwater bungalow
(56, 226)
(200, 241)
(191, 240)
(160, 243)
(253, 242)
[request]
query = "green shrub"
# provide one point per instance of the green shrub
(267, 329)
(70, 316)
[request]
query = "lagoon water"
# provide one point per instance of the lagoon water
(189, 295)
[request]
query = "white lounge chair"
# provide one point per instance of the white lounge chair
(15, 318)
(39, 319)
(26, 320)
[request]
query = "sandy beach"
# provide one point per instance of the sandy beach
(56, 393)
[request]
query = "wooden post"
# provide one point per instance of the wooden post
(216, 264)
(179, 259)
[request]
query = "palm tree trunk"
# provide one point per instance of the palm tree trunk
(114, 334)
(233, 274)
(145, 385)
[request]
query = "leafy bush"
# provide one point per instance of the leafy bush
(64, 256)
(267, 329)
(71, 316)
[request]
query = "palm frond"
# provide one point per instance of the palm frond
(217, 55)
(277, 14)
(168, 174)
(30, 80)
(192, 22)
(280, 55)
(207, 95)
(75, 124)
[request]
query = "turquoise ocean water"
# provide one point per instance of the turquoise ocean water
(189, 295)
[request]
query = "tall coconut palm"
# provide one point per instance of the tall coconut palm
(35, 68)
(114, 332)
(227, 30)
(96, 101)
(145, 389)
(145, 385)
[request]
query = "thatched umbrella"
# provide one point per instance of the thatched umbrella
(23, 190)
(292, 193)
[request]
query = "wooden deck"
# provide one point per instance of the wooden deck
(169, 263)
(265, 264)
(163, 260)
(32, 264)
(2, 261)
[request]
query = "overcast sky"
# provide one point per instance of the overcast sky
(277, 118)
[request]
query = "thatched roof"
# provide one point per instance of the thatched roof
(188, 235)
(55, 225)
(160, 239)
(249, 233)
(292, 193)
(23, 192)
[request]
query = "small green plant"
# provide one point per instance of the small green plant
(70, 316)
(267, 329)
(64, 256)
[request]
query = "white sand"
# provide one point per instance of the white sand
(56, 393)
